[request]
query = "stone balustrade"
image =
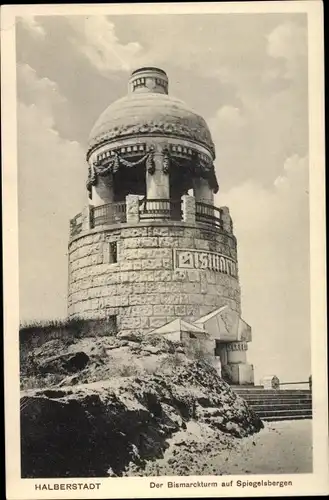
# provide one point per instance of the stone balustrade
(134, 209)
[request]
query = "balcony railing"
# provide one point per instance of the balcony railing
(160, 209)
(208, 214)
(111, 213)
(76, 225)
(149, 209)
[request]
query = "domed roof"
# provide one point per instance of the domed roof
(148, 110)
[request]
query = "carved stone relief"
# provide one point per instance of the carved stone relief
(237, 346)
(194, 259)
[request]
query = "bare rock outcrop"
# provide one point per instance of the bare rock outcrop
(120, 406)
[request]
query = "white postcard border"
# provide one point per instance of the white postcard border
(136, 487)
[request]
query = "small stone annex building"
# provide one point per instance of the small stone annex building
(150, 246)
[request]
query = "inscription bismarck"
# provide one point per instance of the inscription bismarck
(195, 259)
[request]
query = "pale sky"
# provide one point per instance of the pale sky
(246, 74)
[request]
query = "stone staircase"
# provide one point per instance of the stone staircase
(277, 404)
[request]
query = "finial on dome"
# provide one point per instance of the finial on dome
(149, 79)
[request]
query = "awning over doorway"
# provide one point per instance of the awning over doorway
(225, 325)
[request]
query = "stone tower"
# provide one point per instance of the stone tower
(150, 246)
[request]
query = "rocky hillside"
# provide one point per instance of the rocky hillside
(113, 406)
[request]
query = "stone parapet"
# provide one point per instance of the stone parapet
(174, 229)
(159, 208)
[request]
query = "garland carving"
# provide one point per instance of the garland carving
(196, 167)
(197, 132)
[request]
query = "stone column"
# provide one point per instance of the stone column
(202, 192)
(189, 208)
(157, 181)
(237, 352)
(237, 369)
(132, 207)
(103, 192)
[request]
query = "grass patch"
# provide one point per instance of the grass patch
(39, 332)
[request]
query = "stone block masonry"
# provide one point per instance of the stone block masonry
(147, 285)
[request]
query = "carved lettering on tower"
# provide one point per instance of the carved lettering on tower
(195, 259)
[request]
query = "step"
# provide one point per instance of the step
(274, 401)
(262, 389)
(274, 407)
(275, 396)
(286, 417)
(270, 402)
(286, 412)
(305, 392)
(246, 387)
